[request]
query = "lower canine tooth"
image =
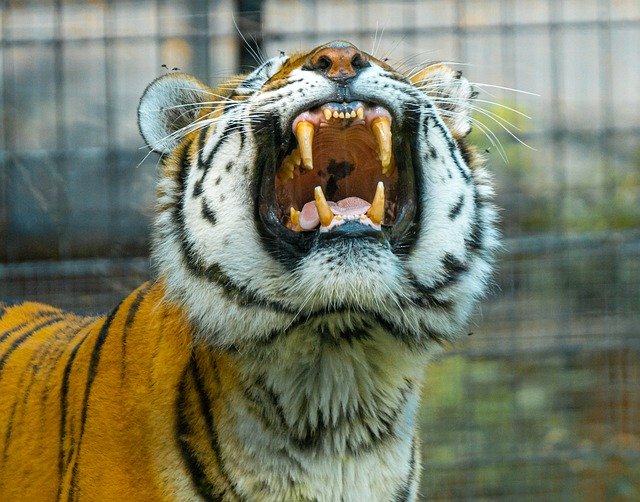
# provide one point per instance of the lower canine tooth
(376, 211)
(304, 135)
(381, 128)
(324, 211)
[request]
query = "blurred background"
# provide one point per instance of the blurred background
(542, 402)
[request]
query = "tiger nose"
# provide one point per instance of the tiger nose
(338, 60)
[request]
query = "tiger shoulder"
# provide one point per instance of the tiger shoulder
(322, 229)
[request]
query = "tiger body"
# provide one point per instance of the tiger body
(269, 360)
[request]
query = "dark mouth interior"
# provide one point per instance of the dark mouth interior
(347, 164)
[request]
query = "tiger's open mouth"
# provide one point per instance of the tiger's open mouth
(346, 169)
(341, 169)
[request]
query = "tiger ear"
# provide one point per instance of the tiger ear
(169, 104)
(451, 94)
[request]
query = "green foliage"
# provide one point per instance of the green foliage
(496, 428)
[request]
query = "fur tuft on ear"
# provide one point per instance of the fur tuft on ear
(169, 104)
(451, 93)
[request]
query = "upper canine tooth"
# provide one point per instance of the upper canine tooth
(324, 211)
(360, 113)
(327, 113)
(388, 171)
(381, 128)
(376, 211)
(304, 135)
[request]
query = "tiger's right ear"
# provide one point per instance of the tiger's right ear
(168, 105)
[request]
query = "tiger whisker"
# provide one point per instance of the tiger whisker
(252, 51)
(479, 109)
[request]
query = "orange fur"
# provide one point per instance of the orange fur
(54, 435)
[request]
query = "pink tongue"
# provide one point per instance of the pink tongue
(309, 218)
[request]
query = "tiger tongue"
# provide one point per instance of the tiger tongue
(351, 206)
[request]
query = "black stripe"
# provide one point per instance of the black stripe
(64, 402)
(205, 409)
(208, 213)
(18, 341)
(197, 187)
(455, 210)
(224, 137)
(133, 309)
(201, 141)
(15, 329)
(453, 269)
(93, 367)
(420, 339)
(476, 236)
(452, 149)
(34, 364)
(183, 430)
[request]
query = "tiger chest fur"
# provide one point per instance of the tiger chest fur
(322, 229)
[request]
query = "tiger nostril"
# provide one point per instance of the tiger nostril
(357, 61)
(324, 63)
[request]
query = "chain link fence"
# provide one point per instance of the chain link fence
(542, 401)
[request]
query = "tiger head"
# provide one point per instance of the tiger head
(324, 187)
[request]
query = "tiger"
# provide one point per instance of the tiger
(323, 230)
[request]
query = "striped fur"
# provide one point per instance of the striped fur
(245, 372)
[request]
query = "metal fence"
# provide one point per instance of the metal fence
(543, 400)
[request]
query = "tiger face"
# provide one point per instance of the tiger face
(326, 188)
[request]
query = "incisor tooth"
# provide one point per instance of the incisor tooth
(335, 114)
(360, 113)
(304, 135)
(376, 211)
(353, 114)
(324, 211)
(327, 113)
(341, 115)
(381, 128)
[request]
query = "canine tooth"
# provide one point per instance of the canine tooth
(360, 113)
(382, 131)
(327, 113)
(388, 171)
(376, 211)
(335, 114)
(304, 135)
(324, 211)
(294, 216)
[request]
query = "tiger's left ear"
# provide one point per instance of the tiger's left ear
(451, 93)
(169, 105)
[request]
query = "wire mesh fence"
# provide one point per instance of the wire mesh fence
(542, 400)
